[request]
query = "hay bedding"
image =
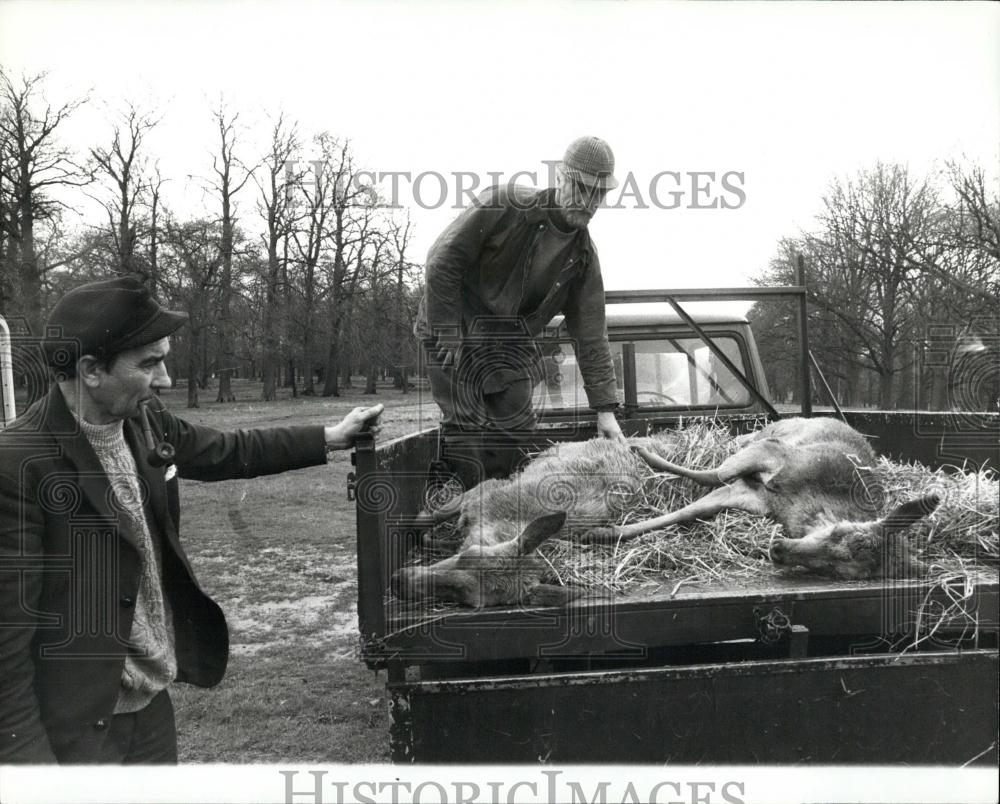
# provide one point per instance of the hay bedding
(957, 542)
(960, 536)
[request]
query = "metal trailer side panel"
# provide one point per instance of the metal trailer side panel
(629, 627)
(961, 439)
(918, 709)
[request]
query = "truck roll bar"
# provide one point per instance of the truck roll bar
(672, 296)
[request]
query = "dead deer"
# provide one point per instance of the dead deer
(811, 476)
(568, 488)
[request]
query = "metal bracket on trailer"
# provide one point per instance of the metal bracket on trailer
(774, 626)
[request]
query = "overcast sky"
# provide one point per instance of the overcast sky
(785, 95)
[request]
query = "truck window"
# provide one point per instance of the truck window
(669, 372)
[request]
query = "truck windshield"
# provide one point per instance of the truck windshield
(670, 372)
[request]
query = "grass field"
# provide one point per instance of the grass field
(278, 554)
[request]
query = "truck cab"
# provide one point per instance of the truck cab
(660, 364)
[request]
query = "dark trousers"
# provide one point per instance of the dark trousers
(146, 737)
(484, 408)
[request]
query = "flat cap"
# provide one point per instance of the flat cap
(103, 318)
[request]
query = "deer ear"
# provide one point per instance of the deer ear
(539, 530)
(911, 511)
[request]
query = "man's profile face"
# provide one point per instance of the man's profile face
(133, 376)
(577, 201)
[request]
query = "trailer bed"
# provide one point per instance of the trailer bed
(629, 629)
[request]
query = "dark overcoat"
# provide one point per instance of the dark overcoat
(69, 575)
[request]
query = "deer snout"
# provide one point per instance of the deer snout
(411, 583)
(779, 551)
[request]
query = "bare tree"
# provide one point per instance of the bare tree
(121, 168)
(869, 226)
(312, 239)
(353, 224)
(154, 189)
(32, 167)
(277, 184)
(400, 233)
(231, 176)
(890, 264)
(979, 207)
(378, 269)
(190, 273)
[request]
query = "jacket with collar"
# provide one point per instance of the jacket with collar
(69, 577)
(472, 260)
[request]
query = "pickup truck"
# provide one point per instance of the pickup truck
(772, 671)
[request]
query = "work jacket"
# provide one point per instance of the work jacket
(469, 272)
(69, 575)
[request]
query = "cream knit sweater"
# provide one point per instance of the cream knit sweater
(152, 663)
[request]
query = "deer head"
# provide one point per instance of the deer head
(858, 550)
(480, 574)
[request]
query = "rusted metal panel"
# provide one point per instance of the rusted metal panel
(823, 711)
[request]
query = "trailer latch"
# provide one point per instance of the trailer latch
(772, 626)
(352, 486)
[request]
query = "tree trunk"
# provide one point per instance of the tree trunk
(205, 374)
(399, 375)
(330, 372)
(906, 391)
(31, 289)
(852, 382)
(346, 370)
(269, 359)
(308, 380)
(291, 378)
(370, 387)
(330, 386)
(886, 389)
(192, 370)
(227, 356)
(154, 271)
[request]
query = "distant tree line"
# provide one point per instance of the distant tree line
(311, 283)
(903, 277)
(298, 277)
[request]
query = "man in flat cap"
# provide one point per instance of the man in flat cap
(494, 279)
(99, 607)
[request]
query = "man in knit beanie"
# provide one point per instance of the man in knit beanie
(100, 610)
(494, 279)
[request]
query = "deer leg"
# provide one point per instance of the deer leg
(738, 495)
(762, 459)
